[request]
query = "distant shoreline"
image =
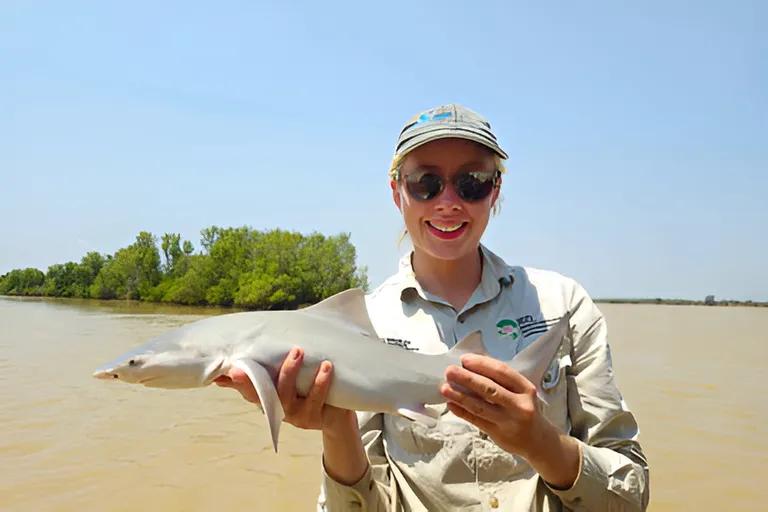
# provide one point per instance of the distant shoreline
(685, 302)
(661, 302)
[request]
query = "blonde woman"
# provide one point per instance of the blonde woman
(497, 445)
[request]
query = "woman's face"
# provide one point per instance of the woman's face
(445, 227)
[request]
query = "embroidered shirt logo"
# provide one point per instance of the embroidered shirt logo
(508, 328)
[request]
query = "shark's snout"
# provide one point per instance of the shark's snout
(105, 374)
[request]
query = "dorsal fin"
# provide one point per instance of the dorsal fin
(470, 344)
(347, 306)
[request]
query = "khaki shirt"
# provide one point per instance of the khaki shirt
(454, 466)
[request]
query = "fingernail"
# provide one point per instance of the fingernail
(326, 367)
(296, 353)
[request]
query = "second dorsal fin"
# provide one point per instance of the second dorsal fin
(347, 306)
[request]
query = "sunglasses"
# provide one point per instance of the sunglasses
(470, 186)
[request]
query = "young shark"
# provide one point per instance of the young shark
(369, 375)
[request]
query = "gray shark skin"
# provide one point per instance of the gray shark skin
(369, 375)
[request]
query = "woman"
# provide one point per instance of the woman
(496, 446)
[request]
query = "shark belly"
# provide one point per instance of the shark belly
(381, 378)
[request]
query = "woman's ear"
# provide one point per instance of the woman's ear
(496, 191)
(396, 194)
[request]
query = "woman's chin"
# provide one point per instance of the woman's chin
(457, 249)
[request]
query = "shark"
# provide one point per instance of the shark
(369, 374)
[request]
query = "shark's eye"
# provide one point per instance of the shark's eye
(132, 362)
(114, 376)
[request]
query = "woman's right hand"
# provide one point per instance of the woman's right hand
(343, 456)
(310, 412)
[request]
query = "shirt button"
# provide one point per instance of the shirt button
(494, 502)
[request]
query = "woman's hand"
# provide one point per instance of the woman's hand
(310, 412)
(343, 455)
(503, 404)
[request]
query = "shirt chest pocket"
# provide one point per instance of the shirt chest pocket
(554, 386)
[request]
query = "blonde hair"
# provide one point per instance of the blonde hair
(397, 163)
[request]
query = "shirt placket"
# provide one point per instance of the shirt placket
(481, 455)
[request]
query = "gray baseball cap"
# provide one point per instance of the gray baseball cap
(444, 122)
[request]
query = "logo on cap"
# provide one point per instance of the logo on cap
(428, 116)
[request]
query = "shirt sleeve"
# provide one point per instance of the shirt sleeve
(376, 491)
(613, 472)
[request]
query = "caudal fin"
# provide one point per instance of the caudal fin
(534, 360)
(268, 397)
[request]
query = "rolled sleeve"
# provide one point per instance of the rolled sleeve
(336, 496)
(376, 490)
(607, 480)
(613, 473)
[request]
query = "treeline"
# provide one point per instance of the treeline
(241, 267)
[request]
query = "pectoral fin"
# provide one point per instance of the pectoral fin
(265, 388)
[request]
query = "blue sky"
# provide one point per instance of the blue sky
(637, 134)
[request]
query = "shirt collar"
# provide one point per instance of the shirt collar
(496, 275)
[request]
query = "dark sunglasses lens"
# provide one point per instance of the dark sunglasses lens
(423, 186)
(474, 186)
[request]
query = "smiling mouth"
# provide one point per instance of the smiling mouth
(447, 231)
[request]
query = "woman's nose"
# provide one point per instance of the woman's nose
(448, 199)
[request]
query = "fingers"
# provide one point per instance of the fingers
(498, 372)
(286, 379)
(468, 382)
(303, 412)
(224, 381)
(319, 391)
(238, 380)
(477, 406)
(481, 423)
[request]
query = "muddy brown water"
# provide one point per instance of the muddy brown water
(695, 377)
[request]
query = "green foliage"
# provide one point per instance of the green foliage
(171, 245)
(63, 280)
(131, 273)
(187, 248)
(28, 281)
(191, 287)
(243, 267)
(208, 237)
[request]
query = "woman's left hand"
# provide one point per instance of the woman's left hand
(503, 403)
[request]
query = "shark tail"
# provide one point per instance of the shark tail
(533, 361)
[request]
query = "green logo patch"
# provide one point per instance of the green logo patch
(508, 328)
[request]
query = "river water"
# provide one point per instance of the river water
(695, 377)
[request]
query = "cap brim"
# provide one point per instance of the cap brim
(445, 132)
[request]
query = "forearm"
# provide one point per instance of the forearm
(557, 459)
(343, 454)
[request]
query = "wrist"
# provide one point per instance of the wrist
(344, 457)
(339, 424)
(556, 457)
